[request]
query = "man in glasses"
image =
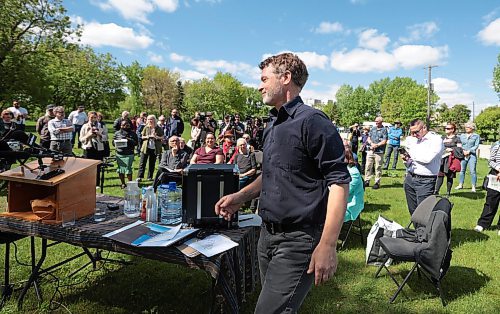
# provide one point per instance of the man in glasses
(422, 159)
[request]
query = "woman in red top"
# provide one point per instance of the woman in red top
(208, 154)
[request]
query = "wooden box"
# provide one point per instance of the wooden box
(72, 190)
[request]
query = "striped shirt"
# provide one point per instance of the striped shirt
(55, 134)
(494, 162)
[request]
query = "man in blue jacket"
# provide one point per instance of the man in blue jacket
(395, 133)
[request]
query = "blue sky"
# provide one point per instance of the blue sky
(342, 42)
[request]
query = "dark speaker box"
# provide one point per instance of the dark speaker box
(202, 187)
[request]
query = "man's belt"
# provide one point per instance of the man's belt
(421, 176)
(273, 227)
(61, 141)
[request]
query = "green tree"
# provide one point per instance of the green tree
(355, 105)
(222, 94)
(134, 75)
(159, 88)
(487, 122)
(28, 28)
(331, 110)
(79, 76)
(404, 99)
(458, 114)
(496, 77)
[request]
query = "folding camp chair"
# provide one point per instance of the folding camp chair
(428, 245)
(356, 223)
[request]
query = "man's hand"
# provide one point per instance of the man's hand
(228, 205)
(323, 263)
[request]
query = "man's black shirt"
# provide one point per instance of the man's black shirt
(303, 155)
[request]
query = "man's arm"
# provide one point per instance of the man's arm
(324, 258)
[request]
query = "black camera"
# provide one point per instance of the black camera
(403, 151)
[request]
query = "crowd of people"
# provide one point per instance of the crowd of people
(158, 143)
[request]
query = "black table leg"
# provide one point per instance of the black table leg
(7, 287)
(34, 273)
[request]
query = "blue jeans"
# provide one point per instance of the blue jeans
(283, 260)
(472, 161)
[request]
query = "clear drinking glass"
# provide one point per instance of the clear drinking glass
(99, 214)
(68, 217)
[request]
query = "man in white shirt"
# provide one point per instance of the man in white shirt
(78, 117)
(422, 159)
(20, 114)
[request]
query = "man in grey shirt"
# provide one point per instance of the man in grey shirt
(377, 139)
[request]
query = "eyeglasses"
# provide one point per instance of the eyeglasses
(246, 138)
(449, 128)
(416, 132)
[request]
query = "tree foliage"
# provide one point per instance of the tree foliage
(487, 122)
(134, 75)
(355, 105)
(458, 114)
(404, 99)
(159, 89)
(496, 77)
(28, 28)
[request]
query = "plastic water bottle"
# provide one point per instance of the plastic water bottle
(132, 204)
(171, 204)
(151, 206)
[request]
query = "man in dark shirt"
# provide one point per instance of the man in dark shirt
(303, 190)
(42, 126)
(174, 124)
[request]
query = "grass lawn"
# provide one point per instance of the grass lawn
(472, 284)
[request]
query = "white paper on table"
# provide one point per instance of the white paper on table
(249, 220)
(112, 233)
(179, 236)
(162, 237)
(212, 245)
(493, 183)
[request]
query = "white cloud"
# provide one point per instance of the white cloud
(313, 60)
(111, 34)
(452, 99)
(362, 61)
(155, 58)
(420, 31)
(324, 96)
(178, 58)
(372, 40)
(490, 35)
(328, 28)
(410, 56)
(190, 75)
(137, 10)
(444, 85)
(167, 5)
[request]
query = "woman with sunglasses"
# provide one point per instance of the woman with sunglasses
(452, 151)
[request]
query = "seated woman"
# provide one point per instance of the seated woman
(208, 154)
(172, 163)
(356, 201)
(246, 163)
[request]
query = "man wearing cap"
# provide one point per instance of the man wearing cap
(394, 134)
(376, 142)
(20, 114)
(42, 126)
(78, 118)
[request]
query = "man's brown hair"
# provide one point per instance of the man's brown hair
(288, 62)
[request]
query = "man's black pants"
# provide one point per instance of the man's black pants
(283, 260)
(417, 189)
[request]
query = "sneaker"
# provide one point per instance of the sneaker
(376, 185)
(473, 189)
(459, 187)
(478, 228)
(367, 184)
